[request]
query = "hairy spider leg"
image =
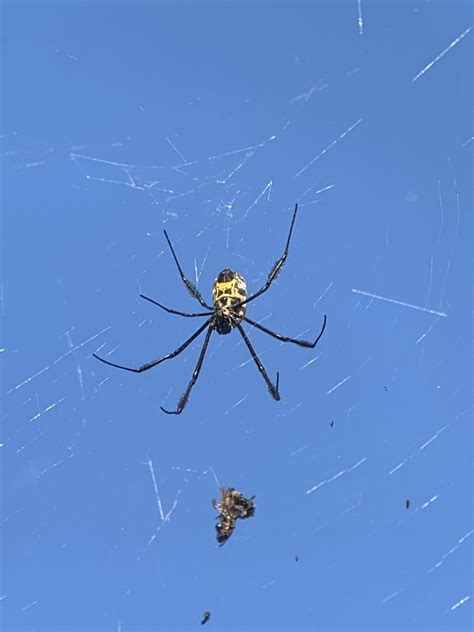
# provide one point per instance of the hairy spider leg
(192, 289)
(301, 343)
(175, 311)
(276, 269)
(168, 356)
(271, 387)
(184, 399)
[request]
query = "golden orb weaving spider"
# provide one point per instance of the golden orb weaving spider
(228, 311)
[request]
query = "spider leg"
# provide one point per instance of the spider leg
(153, 363)
(192, 289)
(271, 387)
(175, 311)
(301, 343)
(184, 399)
(276, 269)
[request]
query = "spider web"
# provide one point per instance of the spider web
(362, 472)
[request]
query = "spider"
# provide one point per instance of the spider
(228, 311)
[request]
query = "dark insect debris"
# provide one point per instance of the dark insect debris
(231, 506)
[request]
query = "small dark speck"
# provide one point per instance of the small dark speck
(407, 504)
(205, 617)
(385, 388)
(332, 424)
(297, 557)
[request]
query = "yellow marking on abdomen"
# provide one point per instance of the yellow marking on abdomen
(226, 294)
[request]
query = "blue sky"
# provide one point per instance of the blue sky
(210, 121)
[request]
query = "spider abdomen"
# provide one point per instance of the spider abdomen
(228, 292)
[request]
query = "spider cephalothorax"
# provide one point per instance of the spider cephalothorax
(228, 311)
(228, 292)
